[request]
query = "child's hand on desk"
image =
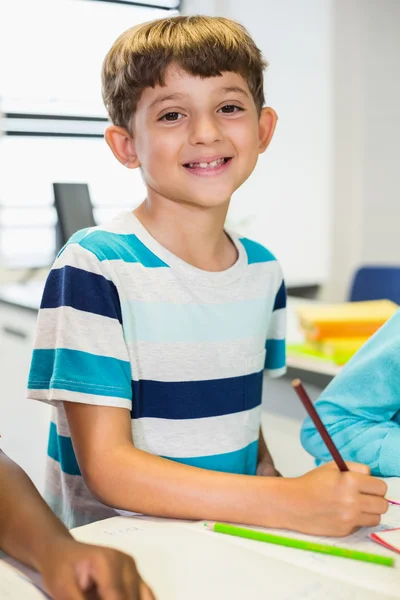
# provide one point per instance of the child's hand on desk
(75, 571)
(329, 502)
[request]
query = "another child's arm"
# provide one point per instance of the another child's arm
(323, 501)
(30, 532)
(358, 406)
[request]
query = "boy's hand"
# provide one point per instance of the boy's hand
(74, 571)
(326, 501)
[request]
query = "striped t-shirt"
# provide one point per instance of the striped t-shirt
(123, 322)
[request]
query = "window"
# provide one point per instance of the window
(53, 117)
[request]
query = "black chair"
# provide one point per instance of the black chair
(74, 210)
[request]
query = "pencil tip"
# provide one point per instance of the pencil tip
(296, 382)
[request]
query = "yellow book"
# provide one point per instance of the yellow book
(345, 320)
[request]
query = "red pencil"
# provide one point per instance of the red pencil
(308, 405)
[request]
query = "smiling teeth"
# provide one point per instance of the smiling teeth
(207, 165)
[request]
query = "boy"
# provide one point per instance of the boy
(361, 407)
(31, 533)
(155, 329)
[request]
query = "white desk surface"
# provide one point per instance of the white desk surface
(182, 560)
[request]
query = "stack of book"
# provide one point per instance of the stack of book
(337, 331)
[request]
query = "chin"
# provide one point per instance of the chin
(211, 202)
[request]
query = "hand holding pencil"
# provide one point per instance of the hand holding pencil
(337, 498)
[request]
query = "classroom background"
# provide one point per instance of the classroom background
(324, 197)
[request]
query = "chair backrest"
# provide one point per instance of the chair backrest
(74, 210)
(376, 282)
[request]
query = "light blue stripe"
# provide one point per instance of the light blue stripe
(165, 322)
(256, 253)
(276, 354)
(241, 462)
(117, 246)
(78, 371)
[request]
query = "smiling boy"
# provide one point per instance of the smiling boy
(155, 329)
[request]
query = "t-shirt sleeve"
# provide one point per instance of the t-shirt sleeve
(80, 353)
(275, 359)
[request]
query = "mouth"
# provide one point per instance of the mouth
(208, 167)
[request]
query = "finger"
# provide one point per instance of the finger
(131, 580)
(372, 485)
(107, 574)
(367, 520)
(117, 578)
(66, 589)
(374, 505)
(145, 592)
(358, 468)
(83, 574)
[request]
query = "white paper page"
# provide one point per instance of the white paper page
(393, 488)
(181, 561)
(14, 587)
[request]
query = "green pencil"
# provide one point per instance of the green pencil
(300, 544)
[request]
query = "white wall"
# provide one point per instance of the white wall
(286, 202)
(366, 206)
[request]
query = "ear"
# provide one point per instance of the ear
(122, 146)
(266, 128)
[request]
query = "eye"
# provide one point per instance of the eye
(171, 116)
(230, 108)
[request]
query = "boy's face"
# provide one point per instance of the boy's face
(196, 140)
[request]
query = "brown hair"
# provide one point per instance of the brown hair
(202, 46)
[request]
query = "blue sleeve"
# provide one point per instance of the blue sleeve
(361, 406)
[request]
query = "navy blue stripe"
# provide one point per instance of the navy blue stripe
(195, 399)
(60, 448)
(82, 290)
(280, 298)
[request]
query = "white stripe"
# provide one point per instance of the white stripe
(186, 361)
(277, 325)
(189, 438)
(166, 285)
(54, 397)
(67, 327)
(79, 257)
(274, 373)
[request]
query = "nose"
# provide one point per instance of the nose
(204, 130)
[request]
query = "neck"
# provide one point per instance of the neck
(193, 233)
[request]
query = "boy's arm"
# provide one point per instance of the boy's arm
(327, 501)
(31, 533)
(358, 406)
